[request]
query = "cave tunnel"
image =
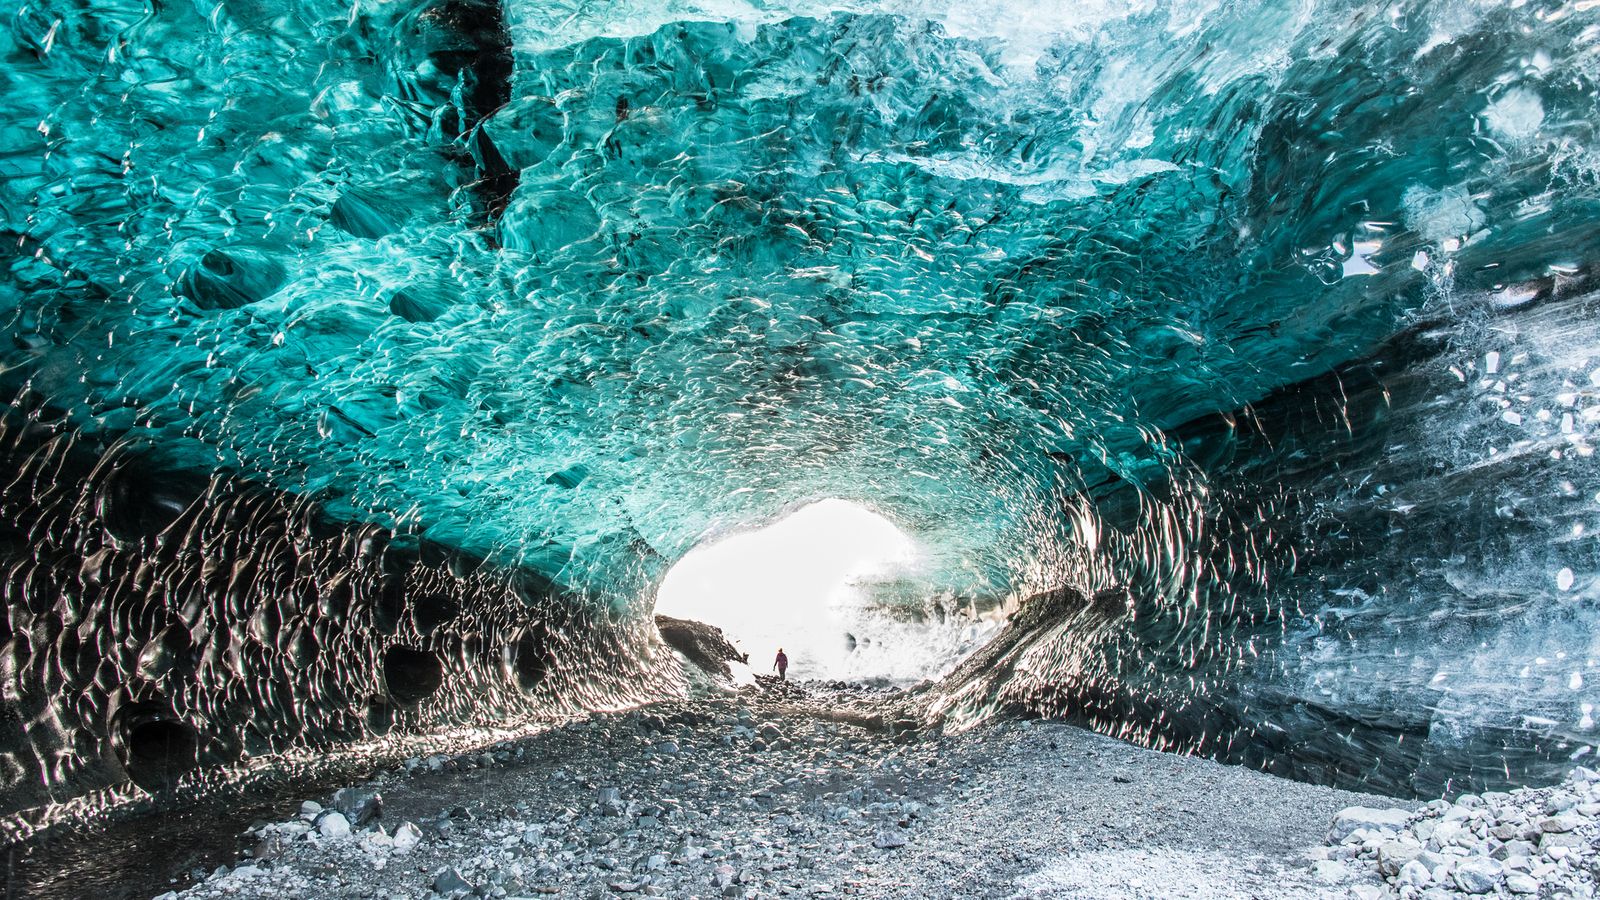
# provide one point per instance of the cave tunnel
(1238, 365)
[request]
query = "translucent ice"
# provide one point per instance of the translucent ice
(1145, 297)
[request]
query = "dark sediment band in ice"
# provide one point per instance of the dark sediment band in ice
(163, 628)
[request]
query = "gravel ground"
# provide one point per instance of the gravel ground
(794, 796)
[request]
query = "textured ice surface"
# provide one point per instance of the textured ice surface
(1192, 301)
(169, 633)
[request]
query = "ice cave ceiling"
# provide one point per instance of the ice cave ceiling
(1274, 320)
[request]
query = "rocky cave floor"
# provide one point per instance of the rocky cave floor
(786, 793)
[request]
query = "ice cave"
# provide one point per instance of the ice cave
(390, 384)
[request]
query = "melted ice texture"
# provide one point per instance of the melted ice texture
(1023, 278)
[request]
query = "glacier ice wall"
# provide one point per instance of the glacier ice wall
(167, 632)
(1274, 318)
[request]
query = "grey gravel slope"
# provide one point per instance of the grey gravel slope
(715, 799)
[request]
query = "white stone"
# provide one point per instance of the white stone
(291, 830)
(1518, 883)
(1415, 873)
(1559, 803)
(1355, 818)
(1559, 824)
(1478, 875)
(334, 825)
(1445, 835)
(1395, 854)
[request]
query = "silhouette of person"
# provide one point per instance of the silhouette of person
(782, 665)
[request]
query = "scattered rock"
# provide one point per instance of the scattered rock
(1415, 874)
(600, 809)
(1521, 842)
(407, 837)
(359, 805)
(449, 883)
(1350, 820)
(1518, 883)
(270, 846)
(1477, 876)
(1512, 849)
(1395, 854)
(333, 825)
(1559, 824)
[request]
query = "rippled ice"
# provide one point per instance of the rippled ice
(1275, 318)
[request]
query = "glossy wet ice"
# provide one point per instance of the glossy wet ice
(368, 365)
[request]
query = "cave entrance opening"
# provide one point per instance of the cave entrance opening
(805, 583)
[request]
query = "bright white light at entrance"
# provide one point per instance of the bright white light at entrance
(794, 584)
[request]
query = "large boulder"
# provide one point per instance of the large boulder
(704, 645)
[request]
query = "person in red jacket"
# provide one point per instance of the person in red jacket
(782, 665)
